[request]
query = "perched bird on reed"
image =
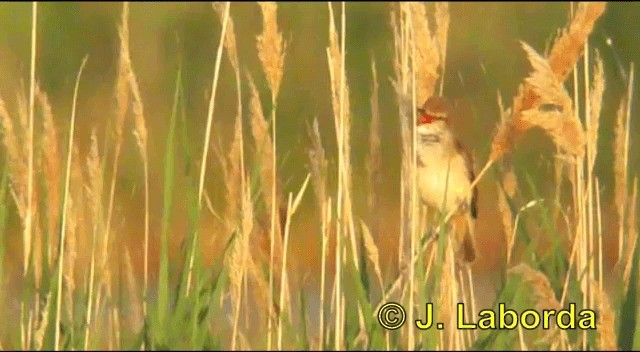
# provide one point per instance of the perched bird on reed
(445, 174)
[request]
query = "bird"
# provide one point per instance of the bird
(445, 173)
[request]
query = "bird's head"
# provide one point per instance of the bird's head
(433, 115)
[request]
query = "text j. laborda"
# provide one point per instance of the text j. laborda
(392, 316)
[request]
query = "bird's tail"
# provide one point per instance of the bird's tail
(463, 229)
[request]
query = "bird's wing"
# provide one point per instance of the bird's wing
(468, 160)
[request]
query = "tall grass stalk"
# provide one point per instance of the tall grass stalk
(271, 52)
(63, 226)
(207, 137)
(26, 235)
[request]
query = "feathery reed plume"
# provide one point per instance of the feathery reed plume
(606, 339)
(339, 98)
(19, 187)
(23, 111)
(595, 99)
(94, 196)
(48, 161)
(239, 259)
(400, 64)
(372, 252)
(74, 228)
(236, 218)
(135, 313)
(427, 55)
(122, 100)
(318, 164)
(271, 47)
(569, 46)
(50, 154)
(141, 136)
(271, 52)
(232, 54)
(265, 156)
(342, 120)
(232, 173)
(441, 34)
(565, 52)
(632, 234)
(542, 296)
(123, 96)
(373, 161)
(230, 38)
(16, 154)
(566, 132)
(236, 157)
(621, 159)
(619, 172)
(263, 144)
(549, 110)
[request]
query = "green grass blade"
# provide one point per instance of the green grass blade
(169, 164)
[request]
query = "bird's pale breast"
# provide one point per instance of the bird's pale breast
(436, 189)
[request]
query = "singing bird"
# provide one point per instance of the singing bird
(445, 174)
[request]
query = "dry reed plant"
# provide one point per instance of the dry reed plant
(238, 258)
(606, 338)
(141, 136)
(621, 159)
(264, 156)
(122, 97)
(632, 234)
(135, 307)
(540, 297)
(372, 252)
(236, 215)
(565, 52)
(342, 122)
(292, 207)
(16, 155)
(52, 170)
(318, 166)
(207, 136)
(95, 199)
(29, 212)
(373, 160)
(76, 227)
(65, 216)
(271, 52)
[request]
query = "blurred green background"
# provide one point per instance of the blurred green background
(484, 57)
